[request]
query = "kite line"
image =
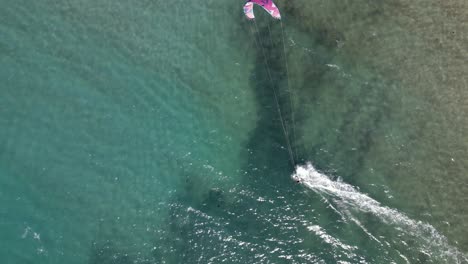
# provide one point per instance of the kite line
(271, 8)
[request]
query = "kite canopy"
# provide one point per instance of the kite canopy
(268, 5)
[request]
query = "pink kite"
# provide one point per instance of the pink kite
(268, 5)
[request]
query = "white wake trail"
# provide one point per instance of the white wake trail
(349, 199)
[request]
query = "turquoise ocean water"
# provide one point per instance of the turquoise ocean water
(148, 132)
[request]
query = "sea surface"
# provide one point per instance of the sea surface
(180, 132)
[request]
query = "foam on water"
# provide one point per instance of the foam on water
(350, 202)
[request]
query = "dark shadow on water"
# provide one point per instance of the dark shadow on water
(267, 142)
